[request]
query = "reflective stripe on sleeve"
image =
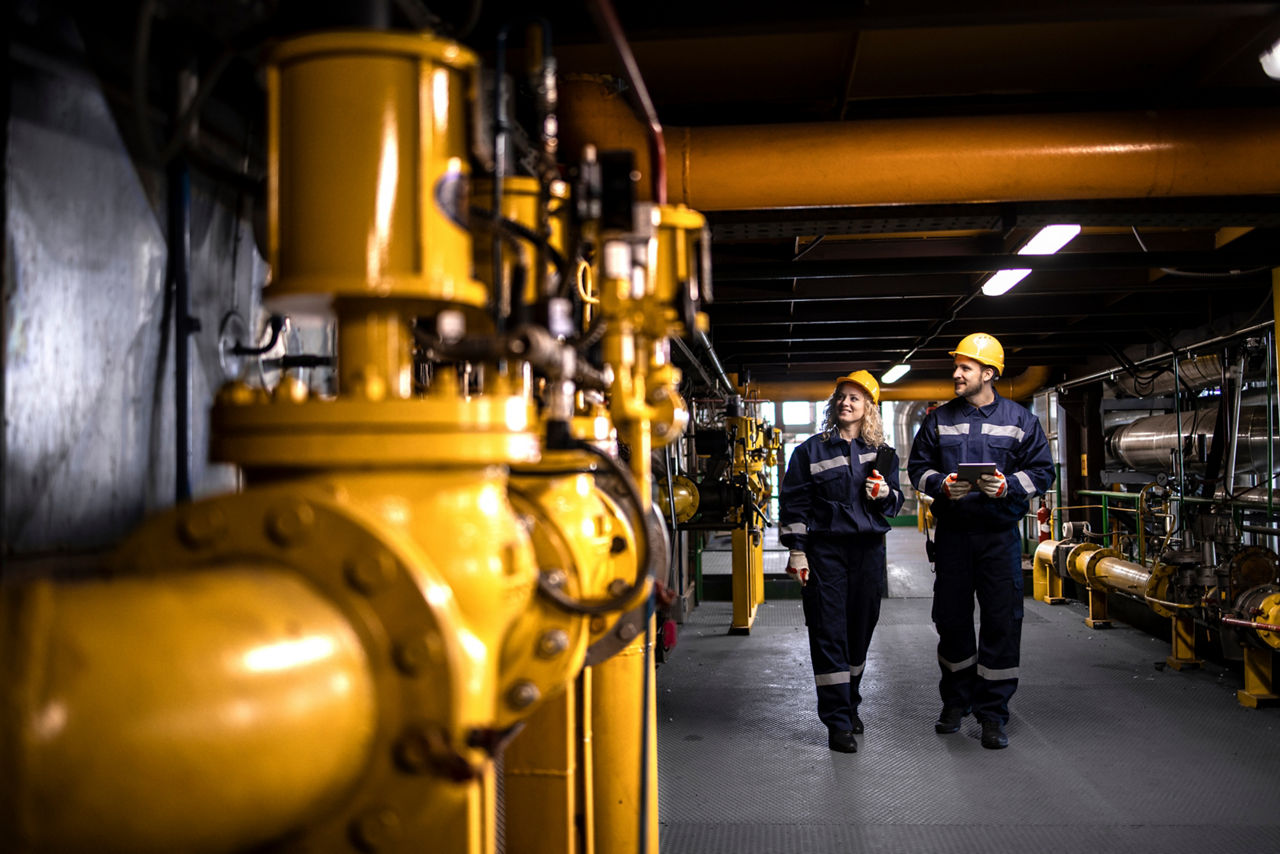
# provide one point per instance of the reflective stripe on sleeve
(834, 462)
(866, 458)
(925, 477)
(1027, 484)
(955, 666)
(794, 528)
(856, 670)
(1013, 431)
(993, 675)
(953, 429)
(840, 678)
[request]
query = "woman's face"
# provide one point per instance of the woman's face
(851, 405)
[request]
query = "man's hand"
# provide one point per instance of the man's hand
(956, 488)
(992, 485)
(798, 566)
(876, 486)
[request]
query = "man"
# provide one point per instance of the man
(833, 505)
(978, 543)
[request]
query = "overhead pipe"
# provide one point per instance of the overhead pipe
(1187, 350)
(950, 160)
(1020, 387)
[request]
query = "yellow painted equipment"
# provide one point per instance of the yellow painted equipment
(334, 657)
(1017, 387)
(1114, 155)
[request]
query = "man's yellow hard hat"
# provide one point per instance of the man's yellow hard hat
(983, 348)
(864, 379)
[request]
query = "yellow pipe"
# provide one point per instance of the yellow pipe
(1015, 388)
(940, 160)
(201, 711)
(619, 709)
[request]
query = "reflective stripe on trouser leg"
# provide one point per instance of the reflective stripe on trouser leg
(980, 672)
(841, 608)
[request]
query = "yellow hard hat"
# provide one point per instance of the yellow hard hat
(864, 379)
(983, 348)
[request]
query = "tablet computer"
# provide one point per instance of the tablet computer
(971, 471)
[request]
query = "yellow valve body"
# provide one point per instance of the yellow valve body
(368, 188)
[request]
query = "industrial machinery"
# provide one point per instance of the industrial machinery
(726, 486)
(438, 583)
(1188, 526)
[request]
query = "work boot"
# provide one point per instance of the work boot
(842, 740)
(993, 737)
(949, 720)
(857, 725)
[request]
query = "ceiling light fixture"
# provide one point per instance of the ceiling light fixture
(1047, 241)
(895, 373)
(1271, 61)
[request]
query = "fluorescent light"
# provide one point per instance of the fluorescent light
(895, 373)
(1271, 61)
(1050, 239)
(1002, 281)
(1047, 241)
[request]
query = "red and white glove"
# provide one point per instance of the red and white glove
(992, 485)
(798, 566)
(956, 488)
(876, 486)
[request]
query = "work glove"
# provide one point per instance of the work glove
(876, 486)
(956, 488)
(992, 485)
(798, 566)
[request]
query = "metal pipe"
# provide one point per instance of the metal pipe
(1198, 372)
(715, 361)
(1015, 388)
(693, 360)
(1146, 443)
(225, 709)
(1189, 349)
(1233, 427)
(1260, 529)
(179, 261)
(945, 160)
(608, 21)
(1262, 627)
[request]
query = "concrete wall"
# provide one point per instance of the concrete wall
(89, 432)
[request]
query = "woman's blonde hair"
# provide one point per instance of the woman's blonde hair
(872, 429)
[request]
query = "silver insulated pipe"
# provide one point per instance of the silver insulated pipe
(1148, 444)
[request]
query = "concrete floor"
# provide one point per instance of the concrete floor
(1108, 752)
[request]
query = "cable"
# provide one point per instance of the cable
(1191, 274)
(643, 548)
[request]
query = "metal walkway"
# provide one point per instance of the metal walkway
(1107, 752)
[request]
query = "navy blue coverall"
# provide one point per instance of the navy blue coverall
(978, 545)
(824, 511)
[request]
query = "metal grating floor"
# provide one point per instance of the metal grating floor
(1106, 751)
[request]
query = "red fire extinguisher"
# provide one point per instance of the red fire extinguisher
(1042, 518)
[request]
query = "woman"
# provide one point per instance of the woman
(833, 503)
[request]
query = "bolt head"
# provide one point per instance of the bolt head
(522, 695)
(553, 643)
(288, 523)
(201, 526)
(370, 572)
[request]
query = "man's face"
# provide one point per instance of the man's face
(969, 376)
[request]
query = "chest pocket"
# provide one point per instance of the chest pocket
(1000, 449)
(951, 448)
(833, 484)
